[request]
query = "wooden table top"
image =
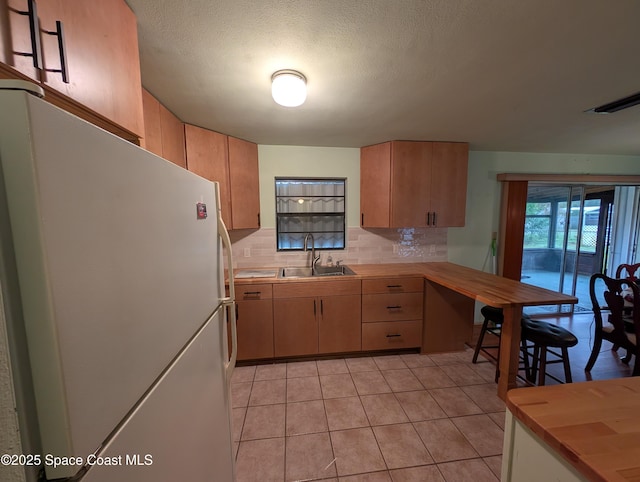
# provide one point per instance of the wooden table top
(484, 287)
(594, 425)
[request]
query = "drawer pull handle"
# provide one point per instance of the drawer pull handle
(64, 69)
(394, 335)
(396, 307)
(252, 293)
(34, 28)
(394, 286)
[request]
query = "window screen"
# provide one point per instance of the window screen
(315, 206)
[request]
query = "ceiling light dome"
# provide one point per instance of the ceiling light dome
(289, 88)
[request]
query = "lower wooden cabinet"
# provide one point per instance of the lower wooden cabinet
(391, 335)
(254, 320)
(328, 322)
(392, 313)
(339, 324)
(329, 316)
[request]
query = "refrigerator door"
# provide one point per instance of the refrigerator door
(117, 253)
(180, 431)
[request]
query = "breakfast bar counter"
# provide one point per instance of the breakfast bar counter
(587, 430)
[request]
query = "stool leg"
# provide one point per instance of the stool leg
(498, 357)
(567, 367)
(535, 363)
(543, 366)
(525, 356)
(483, 330)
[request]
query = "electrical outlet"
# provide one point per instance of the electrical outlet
(395, 248)
(247, 252)
(432, 250)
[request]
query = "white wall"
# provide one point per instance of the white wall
(470, 244)
(302, 161)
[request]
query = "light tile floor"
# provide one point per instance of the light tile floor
(389, 418)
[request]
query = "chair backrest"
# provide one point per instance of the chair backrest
(628, 271)
(614, 291)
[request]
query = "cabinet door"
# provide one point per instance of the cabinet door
(295, 326)
(339, 328)
(410, 183)
(244, 183)
(449, 183)
(15, 38)
(375, 184)
(255, 329)
(101, 40)
(152, 141)
(207, 156)
(172, 130)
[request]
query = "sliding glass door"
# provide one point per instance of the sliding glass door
(566, 239)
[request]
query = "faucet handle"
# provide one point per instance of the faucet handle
(338, 262)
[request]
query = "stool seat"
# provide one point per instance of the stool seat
(547, 334)
(493, 314)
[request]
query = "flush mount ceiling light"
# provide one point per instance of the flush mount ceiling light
(289, 88)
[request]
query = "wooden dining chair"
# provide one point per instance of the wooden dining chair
(628, 271)
(610, 320)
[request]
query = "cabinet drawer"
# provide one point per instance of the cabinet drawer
(391, 307)
(392, 285)
(391, 335)
(254, 292)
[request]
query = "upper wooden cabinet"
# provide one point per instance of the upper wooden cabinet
(413, 184)
(163, 131)
(234, 164)
(101, 49)
(245, 185)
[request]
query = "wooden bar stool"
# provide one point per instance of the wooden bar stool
(493, 319)
(543, 337)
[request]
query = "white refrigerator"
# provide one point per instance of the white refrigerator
(112, 267)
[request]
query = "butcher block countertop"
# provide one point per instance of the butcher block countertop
(483, 287)
(594, 425)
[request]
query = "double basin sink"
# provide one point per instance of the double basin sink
(308, 272)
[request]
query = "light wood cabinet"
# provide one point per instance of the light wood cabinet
(295, 326)
(208, 156)
(392, 311)
(101, 48)
(234, 164)
(316, 317)
(163, 131)
(254, 321)
(413, 184)
(245, 186)
(339, 324)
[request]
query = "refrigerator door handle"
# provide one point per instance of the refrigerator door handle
(229, 301)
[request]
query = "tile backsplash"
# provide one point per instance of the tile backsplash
(257, 249)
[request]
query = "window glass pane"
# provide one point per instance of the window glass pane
(315, 206)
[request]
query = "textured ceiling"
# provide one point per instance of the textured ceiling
(503, 75)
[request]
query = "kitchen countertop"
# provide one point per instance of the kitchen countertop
(483, 287)
(594, 426)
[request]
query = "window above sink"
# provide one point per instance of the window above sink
(310, 205)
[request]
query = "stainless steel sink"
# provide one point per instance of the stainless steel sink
(295, 272)
(332, 270)
(307, 272)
